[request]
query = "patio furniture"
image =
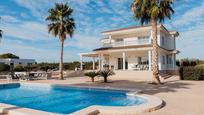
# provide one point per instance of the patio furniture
(40, 75)
(21, 76)
(136, 67)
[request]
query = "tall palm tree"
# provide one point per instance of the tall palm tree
(61, 24)
(1, 32)
(153, 11)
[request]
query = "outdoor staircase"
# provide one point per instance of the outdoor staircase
(165, 75)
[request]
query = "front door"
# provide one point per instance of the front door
(120, 63)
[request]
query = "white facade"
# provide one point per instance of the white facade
(132, 47)
(15, 62)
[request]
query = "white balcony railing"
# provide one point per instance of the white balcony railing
(128, 43)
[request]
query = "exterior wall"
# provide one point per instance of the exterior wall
(163, 65)
(113, 60)
(22, 62)
(168, 43)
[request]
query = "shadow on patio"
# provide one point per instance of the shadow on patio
(168, 86)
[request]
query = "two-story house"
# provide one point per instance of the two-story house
(131, 49)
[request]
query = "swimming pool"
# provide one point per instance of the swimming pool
(63, 99)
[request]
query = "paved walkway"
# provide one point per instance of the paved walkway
(181, 97)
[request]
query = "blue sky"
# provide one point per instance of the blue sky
(25, 28)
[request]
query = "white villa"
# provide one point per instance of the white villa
(131, 49)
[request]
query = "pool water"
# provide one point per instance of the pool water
(63, 100)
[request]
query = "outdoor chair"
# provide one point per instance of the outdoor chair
(136, 67)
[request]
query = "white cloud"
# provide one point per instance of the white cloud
(27, 30)
(190, 16)
(9, 19)
(191, 42)
(38, 8)
(84, 42)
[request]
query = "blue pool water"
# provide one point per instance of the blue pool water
(63, 100)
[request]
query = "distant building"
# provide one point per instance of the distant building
(16, 62)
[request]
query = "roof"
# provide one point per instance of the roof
(127, 28)
(134, 27)
(134, 46)
(122, 47)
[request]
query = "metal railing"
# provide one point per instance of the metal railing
(128, 43)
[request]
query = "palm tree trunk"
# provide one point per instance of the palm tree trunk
(92, 79)
(105, 79)
(155, 68)
(61, 60)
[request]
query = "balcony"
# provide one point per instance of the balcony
(127, 43)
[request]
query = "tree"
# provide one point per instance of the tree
(105, 74)
(4, 67)
(9, 55)
(61, 24)
(1, 32)
(153, 11)
(91, 74)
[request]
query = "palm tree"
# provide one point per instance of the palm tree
(1, 32)
(61, 23)
(153, 11)
(92, 74)
(105, 74)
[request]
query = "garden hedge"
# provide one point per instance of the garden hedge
(192, 73)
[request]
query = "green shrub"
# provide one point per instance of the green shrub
(200, 66)
(19, 68)
(91, 74)
(4, 67)
(192, 73)
(105, 74)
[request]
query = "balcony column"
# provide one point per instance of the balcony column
(93, 63)
(81, 62)
(109, 62)
(173, 61)
(102, 61)
(151, 36)
(150, 59)
(123, 61)
(99, 62)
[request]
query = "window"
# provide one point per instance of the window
(170, 59)
(142, 60)
(143, 38)
(163, 59)
(167, 59)
(139, 60)
(163, 41)
(119, 40)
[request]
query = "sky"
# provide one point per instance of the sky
(25, 29)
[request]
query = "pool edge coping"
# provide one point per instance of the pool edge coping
(153, 104)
